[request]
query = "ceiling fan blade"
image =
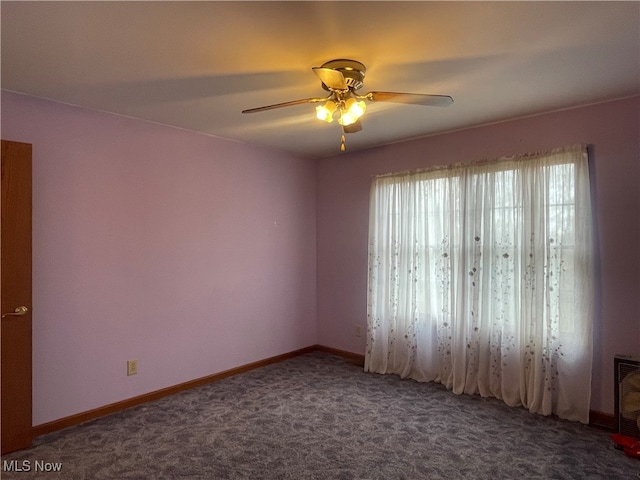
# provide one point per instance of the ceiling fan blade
(353, 128)
(331, 78)
(412, 98)
(284, 104)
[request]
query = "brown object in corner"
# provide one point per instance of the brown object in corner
(354, 358)
(603, 421)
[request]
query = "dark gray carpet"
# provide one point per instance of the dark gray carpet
(318, 416)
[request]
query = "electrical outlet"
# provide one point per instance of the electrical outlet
(132, 367)
(358, 331)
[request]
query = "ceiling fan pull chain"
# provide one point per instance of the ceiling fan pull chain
(342, 147)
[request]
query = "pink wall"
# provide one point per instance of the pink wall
(189, 253)
(194, 254)
(612, 128)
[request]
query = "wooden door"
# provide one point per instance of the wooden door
(15, 325)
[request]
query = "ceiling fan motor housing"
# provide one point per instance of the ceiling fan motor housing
(352, 70)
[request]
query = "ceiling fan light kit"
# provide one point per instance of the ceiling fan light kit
(342, 78)
(348, 112)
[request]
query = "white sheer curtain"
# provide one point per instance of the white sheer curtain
(481, 278)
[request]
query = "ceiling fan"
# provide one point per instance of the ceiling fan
(342, 78)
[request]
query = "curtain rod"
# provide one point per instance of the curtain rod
(487, 161)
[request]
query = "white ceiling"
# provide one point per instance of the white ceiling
(196, 65)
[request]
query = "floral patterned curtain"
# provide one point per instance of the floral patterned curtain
(481, 278)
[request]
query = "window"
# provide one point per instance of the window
(480, 277)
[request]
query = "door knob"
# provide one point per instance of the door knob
(18, 312)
